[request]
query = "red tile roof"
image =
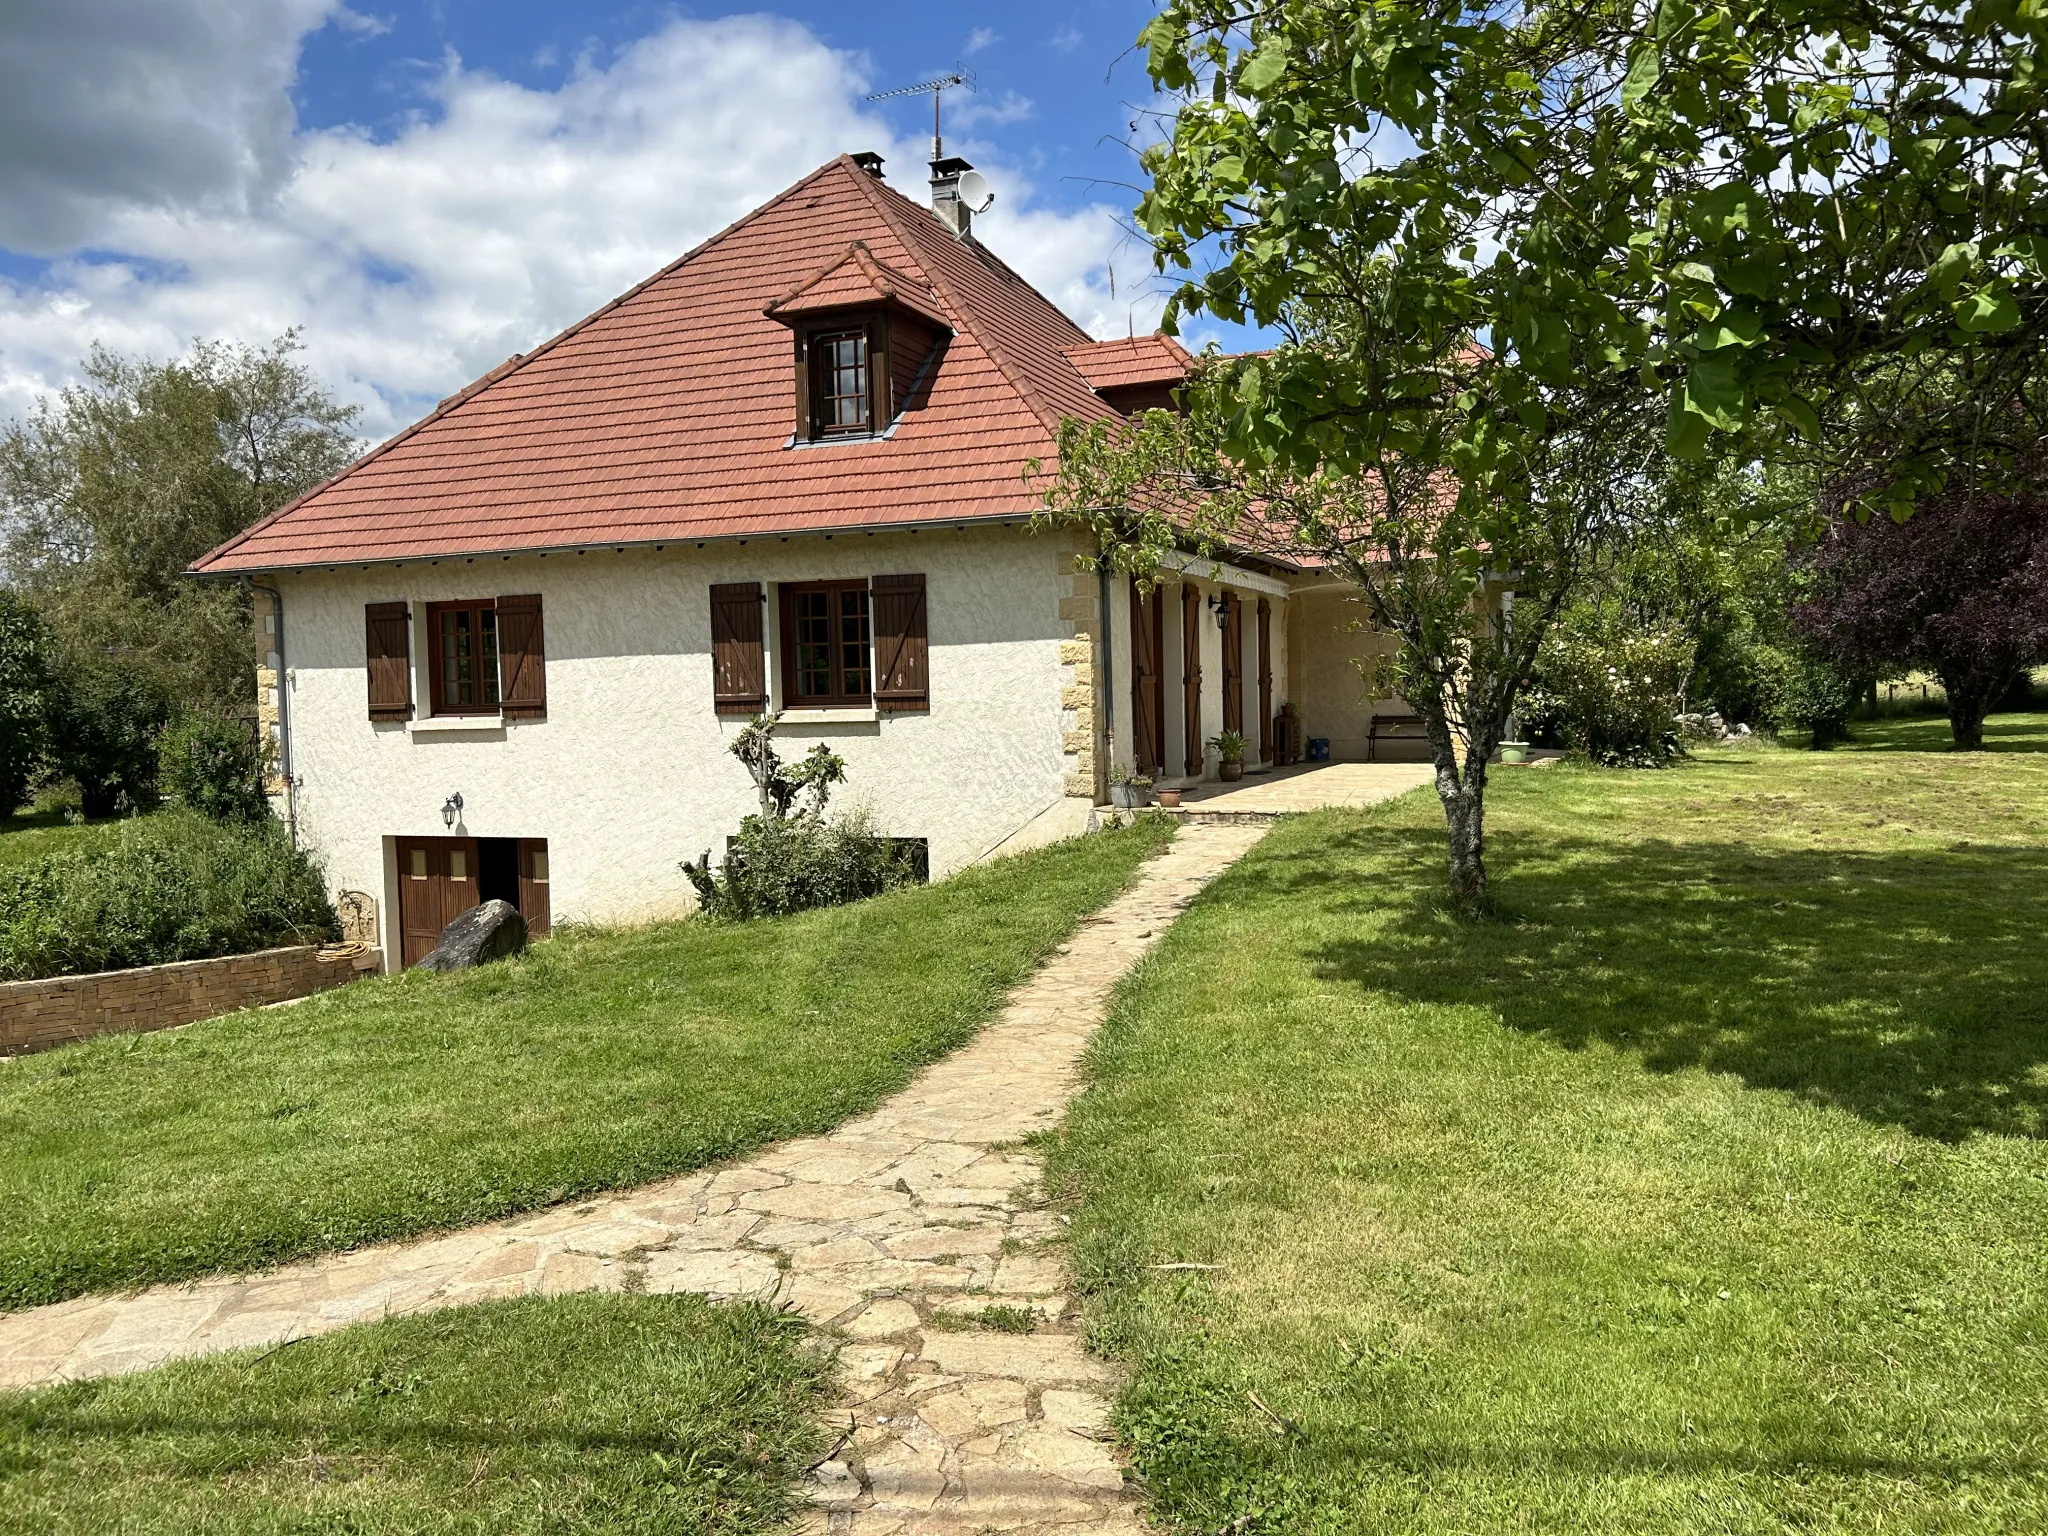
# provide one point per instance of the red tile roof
(1137, 361)
(664, 415)
(855, 279)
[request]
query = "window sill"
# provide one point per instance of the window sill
(844, 716)
(434, 725)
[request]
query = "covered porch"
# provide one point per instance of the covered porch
(1304, 787)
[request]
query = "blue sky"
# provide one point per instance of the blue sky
(428, 185)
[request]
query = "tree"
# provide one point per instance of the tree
(24, 700)
(1827, 215)
(104, 725)
(108, 493)
(1468, 584)
(1961, 589)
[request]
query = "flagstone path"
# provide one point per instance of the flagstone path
(894, 1232)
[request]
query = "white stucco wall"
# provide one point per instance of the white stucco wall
(1335, 701)
(629, 774)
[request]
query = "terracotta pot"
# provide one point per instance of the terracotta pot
(1229, 772)
(1169, 798)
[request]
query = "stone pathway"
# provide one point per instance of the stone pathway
(895, 1232)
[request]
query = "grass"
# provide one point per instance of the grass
(600, 1059)
(1705, 1191)
(27, 835)
(576, 1414)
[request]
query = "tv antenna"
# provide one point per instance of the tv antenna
(938, 88)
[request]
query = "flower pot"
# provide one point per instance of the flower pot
(1123, 796)
(1170, 798)
(1514, 751)
(1229, 771)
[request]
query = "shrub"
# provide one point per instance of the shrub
(24, 700)
(103, 735)
(779, 864)
(790, 857)
(1817, 698)
(169, 887)
(1610, 695)
(210, 764)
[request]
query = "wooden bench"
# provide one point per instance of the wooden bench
(1389, 726)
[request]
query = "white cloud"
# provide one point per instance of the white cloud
(502, 215)
(1067, 39)
(975, 111)
(108, 103)
(982, 37)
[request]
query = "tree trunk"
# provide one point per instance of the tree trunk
(1465, 815)
(1970, 693)
(1966, 719)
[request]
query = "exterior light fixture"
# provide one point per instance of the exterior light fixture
(451, 809)
(1221, 609)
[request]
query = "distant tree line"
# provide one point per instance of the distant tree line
(119, 674)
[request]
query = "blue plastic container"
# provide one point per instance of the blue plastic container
(1319, 749)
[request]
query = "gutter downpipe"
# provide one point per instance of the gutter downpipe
(1108, 674)
(284, 714)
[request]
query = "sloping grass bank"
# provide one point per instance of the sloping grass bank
(1705, 1193)
(599, 1060)
(577, 1414)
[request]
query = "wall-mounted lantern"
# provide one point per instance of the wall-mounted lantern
(451, 809)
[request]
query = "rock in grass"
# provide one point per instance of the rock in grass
(489, 932)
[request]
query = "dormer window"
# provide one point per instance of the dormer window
(867, 338)
(839, 386)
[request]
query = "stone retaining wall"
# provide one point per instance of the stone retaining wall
(35, 1015)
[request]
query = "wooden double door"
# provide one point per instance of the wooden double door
(440, 878)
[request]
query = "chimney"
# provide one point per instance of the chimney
(952, 212)
(870, 162)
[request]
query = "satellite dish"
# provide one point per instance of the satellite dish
(975, 192)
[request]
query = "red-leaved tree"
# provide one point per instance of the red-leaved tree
(1961, 589)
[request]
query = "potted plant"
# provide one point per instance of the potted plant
(1170, 799)
(1514, 751)
(1229, 748)
(1128, 790)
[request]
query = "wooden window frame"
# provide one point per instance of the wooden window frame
(821, 397)
(874, 332)
(786, 597)
(436, 679)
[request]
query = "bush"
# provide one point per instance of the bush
(24, 700)
(210, 764)
(790, 858)
(1610, 695)
(1818, 697)
(103, 735)
(170, 887)
(792, 863)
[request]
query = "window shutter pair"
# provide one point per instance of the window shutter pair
(739, 666)
(522, 659)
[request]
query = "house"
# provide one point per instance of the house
(505, 652)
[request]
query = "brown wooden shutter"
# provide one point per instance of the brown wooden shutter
(385, 627)
(739, 670)
(1148, 697)
(1233, 663)
(902, 653)
(522, 659)
(1191, 678)
(1265, 681)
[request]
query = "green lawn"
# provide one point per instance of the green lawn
(601, 1059)
(1704, 1192)
(28, 835)
(613, 1414)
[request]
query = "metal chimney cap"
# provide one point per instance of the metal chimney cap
(869, 161)
(949, 168)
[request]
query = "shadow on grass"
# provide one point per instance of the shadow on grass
(1908, 988)
(1930, 733)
